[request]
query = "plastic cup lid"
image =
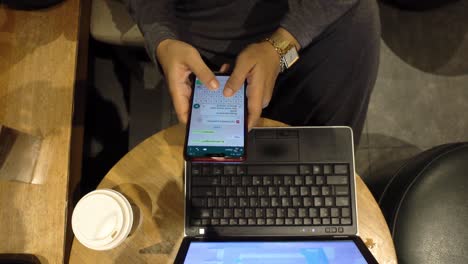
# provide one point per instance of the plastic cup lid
(102, 219)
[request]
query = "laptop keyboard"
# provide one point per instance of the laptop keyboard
(270, 195)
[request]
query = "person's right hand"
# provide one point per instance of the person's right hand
(178, 60)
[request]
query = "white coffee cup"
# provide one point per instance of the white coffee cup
(102, 219)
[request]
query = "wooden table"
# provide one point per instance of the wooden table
(151, 177)
(38, 55)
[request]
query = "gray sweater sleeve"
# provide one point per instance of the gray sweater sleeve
(306, 19)
(156, 21)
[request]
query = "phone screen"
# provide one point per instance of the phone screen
(216, 126)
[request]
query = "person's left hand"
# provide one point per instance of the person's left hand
(259, 64)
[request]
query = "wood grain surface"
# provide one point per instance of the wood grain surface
(37, 78)
(151, 177)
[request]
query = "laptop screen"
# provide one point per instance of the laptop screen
(342, 251)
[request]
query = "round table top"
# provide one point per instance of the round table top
(151, 177)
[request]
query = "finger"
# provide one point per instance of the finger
(199, 68)
(224, 68)
(255, 98)
(179, 88)
(181, 106)
(239, 74)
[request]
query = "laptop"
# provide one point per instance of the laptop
(296, 183)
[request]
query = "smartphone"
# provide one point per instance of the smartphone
(216, 129)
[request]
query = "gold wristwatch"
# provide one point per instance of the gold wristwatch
(286, 50)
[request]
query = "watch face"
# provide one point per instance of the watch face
(291, 57)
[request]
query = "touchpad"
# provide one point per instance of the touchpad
(276, 149)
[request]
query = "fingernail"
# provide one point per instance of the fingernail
(228, 92)
(213, 84)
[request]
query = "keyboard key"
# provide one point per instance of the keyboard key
(203, 213)
(203, 191)
(227, 213)
(305, 169)
(313, 212)
(272, 191)
(196, 170)
(233, 221)
(280, 212)
(233, 202)
(292, 212)
(261, 221)
(324, 212)
(297, 221)
(319, 180)
(243, 202)
(316, 221)
(297, 201)
(246, 180)
(283, 191)
(278, 180)
(267, 180)
(223, 221)
(279, 221)
(307, 202)
(259, 213)
(318, 201)
(206, 170)
(252, 191)
(265, 202)
(305, 191)
(256, 180)
(224, 180)
(196, 222)
(254, 202)
(327, 169)
(345, 212)
(236, 181)
(309, 180)
(241, 170)
(335, 221)
(222, 202)
(229, 170)
(328, 201)
(341, 169)
(298, 180)
(272, 169)
(335, 180)
(288, 180)
(302, 212)
(242, 221)
(241, 191)
(316, 169)
(286, 202)
(293, 191)
(270, 213)
(289, 221)
(238, 212)
(217, 170)
(345, 221)
(231, 191)
(325, 221)
(198, 202)
(341, 190)
(334, 212)
(249, 212)
(275, 202)
(217, 213)
(212, 202)
(325, 190)
(262, 191)
(252, 221)
(307, 221)
(314, 191)
(270, 221)
(342, 201)
(214, 222)
(220, 191)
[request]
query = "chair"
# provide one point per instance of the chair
(426, 206)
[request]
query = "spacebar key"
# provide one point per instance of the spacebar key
(272, 170)
(203, 191)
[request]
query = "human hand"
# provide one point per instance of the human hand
(178, 60)
(259, 64)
